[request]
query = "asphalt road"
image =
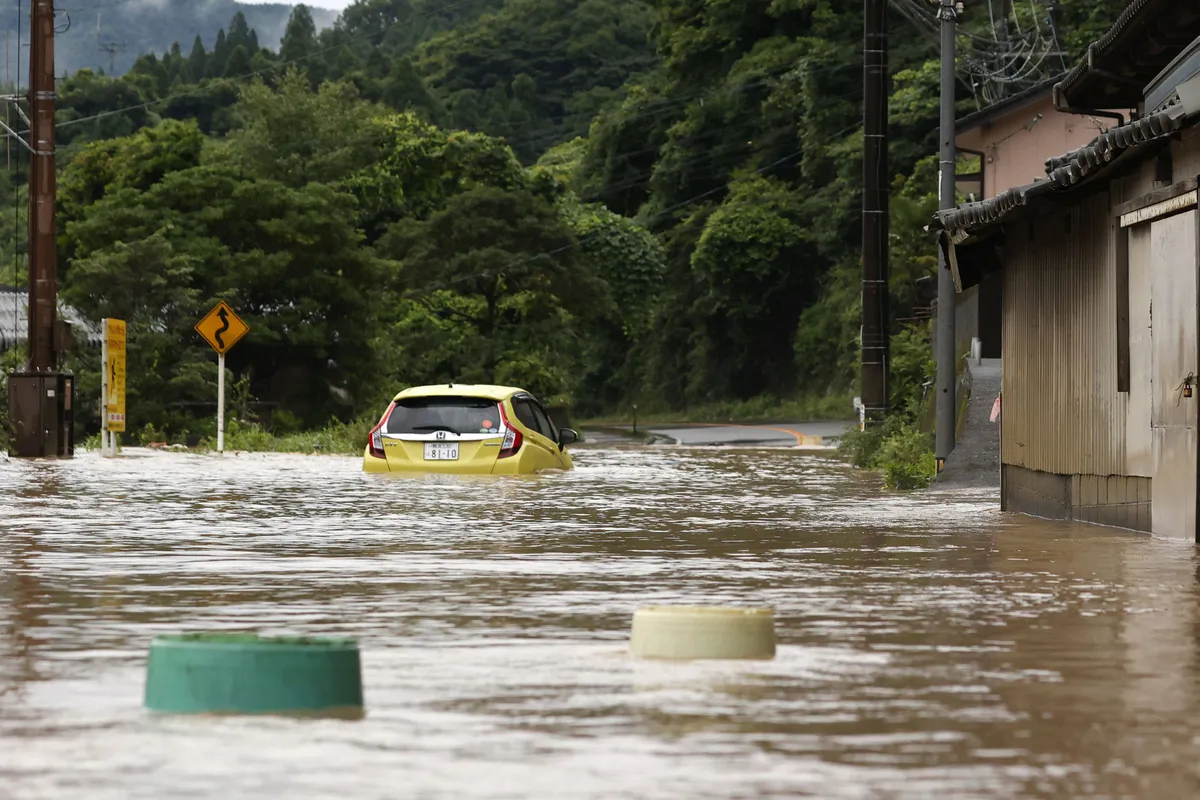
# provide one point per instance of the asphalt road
(774, 434)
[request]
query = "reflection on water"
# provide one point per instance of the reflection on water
(928, 645)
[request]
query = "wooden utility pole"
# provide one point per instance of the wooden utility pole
(43, 264)
(875, 334)
(40, 399)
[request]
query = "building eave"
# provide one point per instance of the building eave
(1145, 38)
(1065, 172)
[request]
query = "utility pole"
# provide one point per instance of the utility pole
(43, 264)
(947, 407)
(875, 333)
(40, 399)
(112, 48)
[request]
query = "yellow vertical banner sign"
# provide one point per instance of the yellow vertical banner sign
(114, 378)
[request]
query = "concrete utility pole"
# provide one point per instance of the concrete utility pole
(875, 334)
(40, 399)
(948, 11)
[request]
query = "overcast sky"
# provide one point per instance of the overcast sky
(338, 4)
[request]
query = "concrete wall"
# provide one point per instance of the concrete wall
(1114, 500)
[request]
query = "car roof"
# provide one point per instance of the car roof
(487, 391)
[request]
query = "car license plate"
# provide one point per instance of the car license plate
(441, 451)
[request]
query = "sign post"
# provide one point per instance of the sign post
(222, 329)
(220, 402)
(112, 402)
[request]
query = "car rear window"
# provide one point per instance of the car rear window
(453, 414)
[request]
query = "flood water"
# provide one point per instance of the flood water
(929, 645)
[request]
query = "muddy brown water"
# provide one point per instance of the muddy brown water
(929, 645)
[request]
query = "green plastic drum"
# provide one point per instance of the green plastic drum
(221, 673)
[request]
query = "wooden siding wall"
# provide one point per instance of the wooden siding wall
(1062, 411)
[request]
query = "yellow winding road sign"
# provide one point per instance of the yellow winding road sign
(222, 328)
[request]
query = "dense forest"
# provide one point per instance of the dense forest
(608, 202)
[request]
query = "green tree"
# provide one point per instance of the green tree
(300, 40)
(291, 260)
(566, 59)
(499, 265)
(745, 263)
(629, 264)
(419, 167)
(294, 135)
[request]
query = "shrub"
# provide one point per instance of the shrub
(284, 422)
(896, 445)
(149, 435)
(9, 360)
(907, 460)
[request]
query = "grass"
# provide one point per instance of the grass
(758, 409)
(337, 438)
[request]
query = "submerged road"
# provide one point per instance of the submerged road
(767, 434)
(929, 646)
(813, 435)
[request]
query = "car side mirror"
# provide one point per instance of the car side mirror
(567, 436)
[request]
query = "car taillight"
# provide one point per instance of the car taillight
(375, 443)
(512, 437)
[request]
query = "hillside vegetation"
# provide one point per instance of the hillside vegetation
(618, 202)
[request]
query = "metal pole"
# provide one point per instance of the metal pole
(220, 402)
(104, 389)
(43, 268)
(946, 344)
(875, 212)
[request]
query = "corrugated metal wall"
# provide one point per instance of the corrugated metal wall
(1062, 411)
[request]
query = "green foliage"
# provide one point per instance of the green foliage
(907, 459)
(687, 239)
(417, 167)
(537, 71)
(337, 438)
(157, 252)
(898, 446)
(296, 136)
(912, 367)
(749, 291)
(10, 360)
(148, 435)
(494, 275)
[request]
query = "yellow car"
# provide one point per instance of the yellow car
(474, 430)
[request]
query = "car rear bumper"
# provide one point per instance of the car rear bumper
(520, 464)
